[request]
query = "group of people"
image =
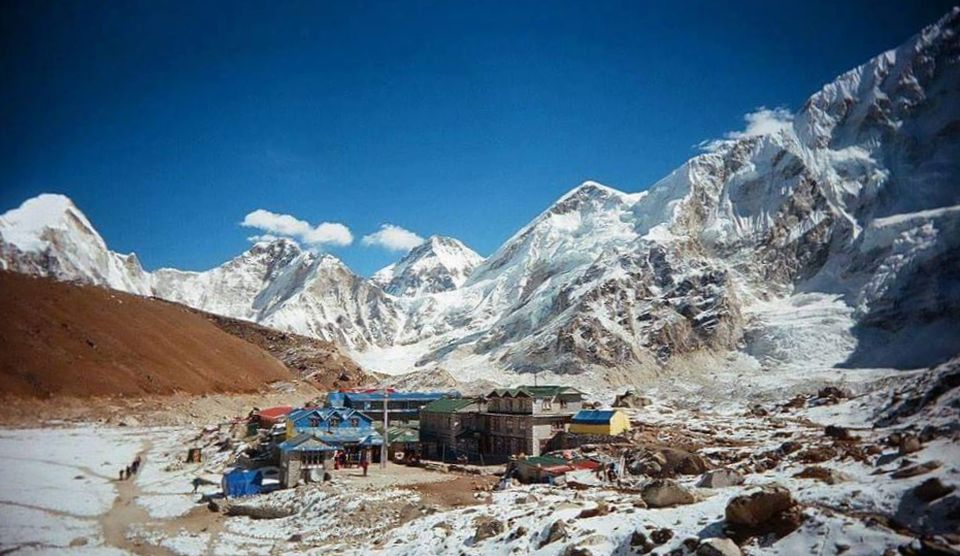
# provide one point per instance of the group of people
(341, 460)
(131, 469)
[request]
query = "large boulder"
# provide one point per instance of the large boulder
(753, 509)
(664, 493)
(768, 511)
(932, 489)
(720, 478)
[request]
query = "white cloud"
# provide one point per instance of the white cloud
(393, 238)
(285, 225)
(762, 121)
(262, 237)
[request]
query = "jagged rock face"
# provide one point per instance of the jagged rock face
(331, 302)
(438, 264)
(846, 217)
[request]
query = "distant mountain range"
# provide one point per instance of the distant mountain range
(830, 241)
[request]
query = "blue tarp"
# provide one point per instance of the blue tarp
(593, 417)
(242, 483)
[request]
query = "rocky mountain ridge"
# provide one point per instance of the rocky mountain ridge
(832, 241)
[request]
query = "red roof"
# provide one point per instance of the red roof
(274, 413)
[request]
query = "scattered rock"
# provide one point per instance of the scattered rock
(486, 527)
(932, 489)
(832, 393)
(640, 542)
(661, 536)
(557, 532)
(909, 444)
(631, 399)
(718, 547)
(601, 509)
(790, 447)
(573, 550)
(839, 433)
(257, 511)
(914, 470)
(720, 478)
(517, 533)
(665, 493)
(796, 402)
(929, 432)
(296, 537)
(826, 475)
(818, 454)
(79, 541)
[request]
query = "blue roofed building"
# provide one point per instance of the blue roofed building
(610, 422)
(326, 420)
(316, 435)
(402, 407)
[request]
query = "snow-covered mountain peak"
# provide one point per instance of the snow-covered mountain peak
(48, 235)
(29, 226)
(438, 264)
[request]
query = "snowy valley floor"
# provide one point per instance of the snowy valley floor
(857, 493)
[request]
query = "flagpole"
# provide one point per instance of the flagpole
(386, 434)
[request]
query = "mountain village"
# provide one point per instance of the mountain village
(758, 354)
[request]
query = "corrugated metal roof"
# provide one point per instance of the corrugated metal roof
(539, 392)
(402, 435)
(594, 416)
(545, 461)
(448, 405)
(305, 442)
(401, 396)
(346, 436)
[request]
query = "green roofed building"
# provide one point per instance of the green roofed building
(505, 422)
(441, 421)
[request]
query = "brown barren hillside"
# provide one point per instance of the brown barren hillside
(317, 361)
(65, 339)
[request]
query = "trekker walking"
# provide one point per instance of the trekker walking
(196, 483)
(121, 473)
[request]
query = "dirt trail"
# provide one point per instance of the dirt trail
(124, 513)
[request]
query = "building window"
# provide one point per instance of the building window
(334, 421)
(354, 422)
(314, 422)
(547, 404)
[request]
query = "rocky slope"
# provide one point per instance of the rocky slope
(316, 361)
(831, 241)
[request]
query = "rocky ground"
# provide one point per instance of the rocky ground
(829, 471)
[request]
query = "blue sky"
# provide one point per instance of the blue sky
(168, 123)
